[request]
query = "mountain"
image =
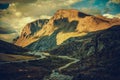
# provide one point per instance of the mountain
(75, 45)
(47, 34)
(92, 43)
(29, 32)
(98, 53)
(8, 48)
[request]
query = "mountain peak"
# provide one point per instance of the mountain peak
(65, 23)
(69, 13)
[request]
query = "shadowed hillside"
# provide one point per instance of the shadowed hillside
(98, 53)
(8, 48)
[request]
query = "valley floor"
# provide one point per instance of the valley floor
(14, 57)
(20, 67)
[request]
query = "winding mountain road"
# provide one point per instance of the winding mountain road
(74, 60)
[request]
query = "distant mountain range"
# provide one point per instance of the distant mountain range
(46, 34)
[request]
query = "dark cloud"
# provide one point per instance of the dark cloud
(8, 37)
(5, 29)
(4, 6)
(107, 10)
(19, 1)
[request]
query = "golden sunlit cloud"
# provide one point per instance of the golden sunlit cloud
(115, 1)
(8, 37)
(111, 16)
(91, 10)
(45, 17)
(18, 14)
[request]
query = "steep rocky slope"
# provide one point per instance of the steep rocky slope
(28, 34)
(63, 25)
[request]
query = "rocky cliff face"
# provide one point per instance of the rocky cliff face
(29, 32)
(65, 24)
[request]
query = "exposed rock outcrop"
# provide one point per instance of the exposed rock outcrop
(29, 32)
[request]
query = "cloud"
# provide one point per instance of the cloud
(21, 12)
(113, 6)
(112, 16)
(43, 7)
(4, 6)
(114, 1)
(5, 29)
(8, 37)
(92, 11)
(17, 24)
(20, 1)
(45, 17)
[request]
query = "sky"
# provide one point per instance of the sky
(15, 14)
